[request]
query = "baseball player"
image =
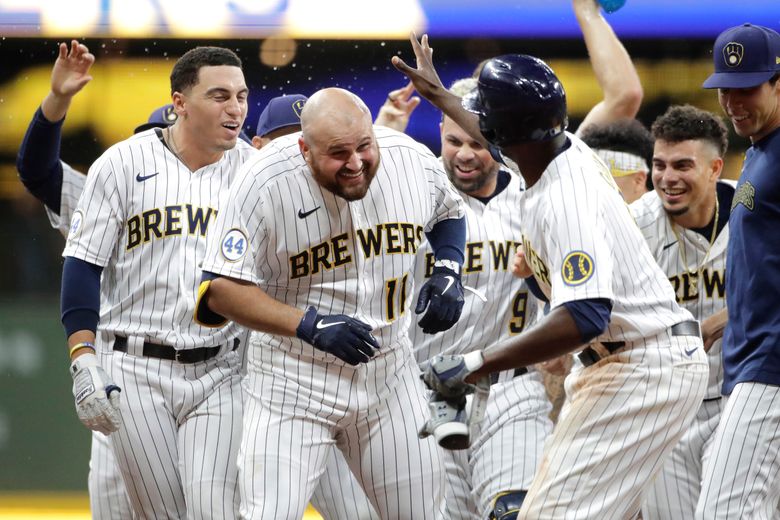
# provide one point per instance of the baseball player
(485, 480)
(626, 147)
(643, 370)
(685, 223)
(741, 478)
(141, 221)
(314, 250)
(338, 494)
(59, 186)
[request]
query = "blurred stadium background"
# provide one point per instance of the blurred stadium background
(288, 46)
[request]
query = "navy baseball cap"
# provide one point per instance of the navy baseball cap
(160, 118)
(280, 112)
(745, 56)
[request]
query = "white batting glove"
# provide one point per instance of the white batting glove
(97, 397)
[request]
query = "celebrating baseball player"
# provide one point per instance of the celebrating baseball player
(741, 478)
(685, 223)
(166, 388)
(643, 366)
(314, 250)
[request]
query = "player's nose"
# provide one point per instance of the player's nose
(355, 162)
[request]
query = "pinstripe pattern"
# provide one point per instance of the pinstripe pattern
(624, 415)
(173, 437)
(302, 402)
(177, 447)
(339, 495)
(742, 477)
(626, 412)
(676, 490)
(507, 449)
(107, 496)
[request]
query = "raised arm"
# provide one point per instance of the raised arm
(398, 108)
(427, 82)
(614, 70)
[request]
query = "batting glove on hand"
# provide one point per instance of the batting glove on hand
(97, 397)
(346, 338)
(442, 294)
(448, 423)
(447, 374)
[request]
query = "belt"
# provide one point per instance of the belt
(589, 355)
(154, 350)
(517, 373)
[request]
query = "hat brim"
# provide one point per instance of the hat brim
(147, 126)
(738, 79)
(472, 102)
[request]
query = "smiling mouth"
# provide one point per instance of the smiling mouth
(673, 192)
(231, 126)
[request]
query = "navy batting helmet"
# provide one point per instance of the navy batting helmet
(518, 99)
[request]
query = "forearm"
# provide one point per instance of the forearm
(450, 105)
(80, 302)
(250, 306)
(38, 162)
(55, 106)
(612, 66)
(556, 334)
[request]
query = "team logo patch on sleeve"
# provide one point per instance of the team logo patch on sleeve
(75, 223)
(577, 268)
(234, 245)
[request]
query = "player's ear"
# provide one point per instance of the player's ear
(178, 103)
(257, 142)
(305, 150)
(716, 167)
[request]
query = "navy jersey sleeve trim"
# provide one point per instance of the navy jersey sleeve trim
(80, 299)
(38, 160)
(533, 286)
(591, 316)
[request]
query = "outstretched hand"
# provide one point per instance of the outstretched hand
(71, 70)
(424, 77)
(398, 108)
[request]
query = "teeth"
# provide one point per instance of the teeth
(353, 175)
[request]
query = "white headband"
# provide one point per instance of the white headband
(622, 163)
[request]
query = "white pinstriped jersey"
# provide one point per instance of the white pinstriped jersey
(492, 236)
(72, 185)
(703, 298)
(143, 216)
(582, 243)
(306, 246)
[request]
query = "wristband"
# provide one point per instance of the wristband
(79, 346)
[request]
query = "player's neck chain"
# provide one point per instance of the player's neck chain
(169, 140)
(694, 274)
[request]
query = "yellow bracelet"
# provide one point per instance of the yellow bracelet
(79, 346)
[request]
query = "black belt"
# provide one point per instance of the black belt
(589, 355)
(193, 355)
(518, 372)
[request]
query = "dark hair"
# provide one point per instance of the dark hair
(624, 135)
(185, 72)
(774, 79)
(684, 122)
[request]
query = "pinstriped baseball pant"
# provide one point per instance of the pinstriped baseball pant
(625, 414)
(741, 479)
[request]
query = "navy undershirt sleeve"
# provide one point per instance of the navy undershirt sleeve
(80, 298)
(448, 239)
(591, 316)
(38, 160)
(533, 286)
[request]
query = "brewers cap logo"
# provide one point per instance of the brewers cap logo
(169, 115)
(297, 106)
(577, 268)
(733, 53)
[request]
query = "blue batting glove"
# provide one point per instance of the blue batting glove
(346, 338)
(442, 295)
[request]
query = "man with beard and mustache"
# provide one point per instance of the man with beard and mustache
(481, 480)
(314, 250)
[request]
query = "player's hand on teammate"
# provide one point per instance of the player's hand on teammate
(343, 336)
(71, 70)
(442, 296)
(424, 77)
(97, 397)
(712, 328)
(398, 108)
(447, 374)
(520, 267)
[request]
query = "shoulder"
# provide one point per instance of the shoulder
(647, 209)
(278, 160)
(391, 141)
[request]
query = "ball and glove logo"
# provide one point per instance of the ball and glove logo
(577, 268)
